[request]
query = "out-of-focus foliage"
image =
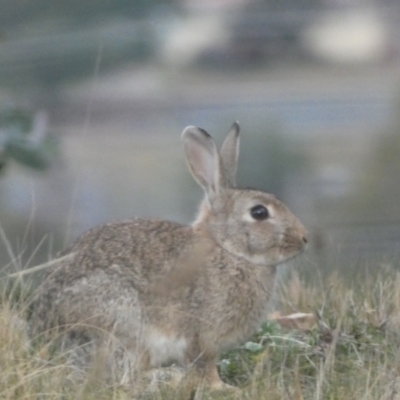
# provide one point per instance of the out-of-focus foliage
(23, 138)
(15, 12)
(48, 43)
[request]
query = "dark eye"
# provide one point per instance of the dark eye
(259, 212)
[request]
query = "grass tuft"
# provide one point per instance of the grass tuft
(352, 351)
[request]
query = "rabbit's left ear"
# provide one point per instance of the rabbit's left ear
(203, 160)
(230, 154)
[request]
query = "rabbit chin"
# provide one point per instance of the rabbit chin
(268, 261)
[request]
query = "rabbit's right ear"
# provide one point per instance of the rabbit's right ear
(230, 154)
(203, 160)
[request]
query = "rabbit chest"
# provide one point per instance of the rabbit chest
(237, 302)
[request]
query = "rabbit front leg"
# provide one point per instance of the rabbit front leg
(211, 377)
(205, 374)
(208, 380)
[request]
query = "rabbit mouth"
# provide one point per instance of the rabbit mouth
(275, 255)
(293, 252)
(288, 247)
(285, 252)
(293, 244)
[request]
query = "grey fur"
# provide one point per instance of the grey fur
(174, 293)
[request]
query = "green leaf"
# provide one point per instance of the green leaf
(21, 140)
(35, 158)
(253, 347)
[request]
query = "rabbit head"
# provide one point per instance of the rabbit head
(247, 223)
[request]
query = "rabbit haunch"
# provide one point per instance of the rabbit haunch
(170, 292)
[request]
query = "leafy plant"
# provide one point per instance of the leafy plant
(24, 138)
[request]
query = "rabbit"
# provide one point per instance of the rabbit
(173, 293)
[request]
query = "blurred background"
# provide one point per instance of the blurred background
(94, 95)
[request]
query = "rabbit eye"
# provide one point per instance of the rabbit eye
(259, 212)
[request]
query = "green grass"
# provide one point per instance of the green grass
(352, 352)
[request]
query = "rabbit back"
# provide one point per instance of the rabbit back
(110, 270)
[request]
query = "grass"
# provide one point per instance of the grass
(351, 352)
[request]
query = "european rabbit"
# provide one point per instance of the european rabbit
(174, 293)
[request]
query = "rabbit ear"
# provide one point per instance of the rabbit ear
(203, 160)
(230, 154)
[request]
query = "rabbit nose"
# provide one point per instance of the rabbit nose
(304, 236)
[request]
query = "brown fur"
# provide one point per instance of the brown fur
(200, 289)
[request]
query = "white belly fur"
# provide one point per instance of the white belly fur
(164, 349)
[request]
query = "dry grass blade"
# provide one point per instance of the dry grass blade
(351, 353)
(41, 266)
